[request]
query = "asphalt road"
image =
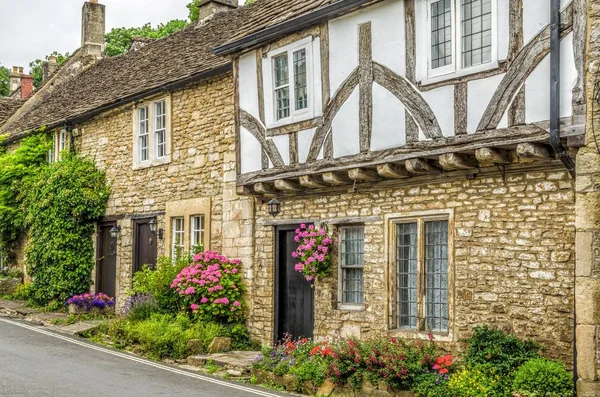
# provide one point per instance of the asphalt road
(37, 362)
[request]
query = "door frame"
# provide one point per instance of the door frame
(276, 293)
(99, 245)
(134, 256)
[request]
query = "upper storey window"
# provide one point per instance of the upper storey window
(292, 93)
(461, 36)
(152, 133)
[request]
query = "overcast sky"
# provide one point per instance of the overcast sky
(31, 29)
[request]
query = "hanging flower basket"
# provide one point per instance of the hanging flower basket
(314, 252)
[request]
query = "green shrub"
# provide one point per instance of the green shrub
(22, 293)
(476, 382)
(431, 384)
(63, 205)
(543, 378)
(157, 282)
(497, 351)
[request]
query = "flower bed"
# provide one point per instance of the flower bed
(90, 303)
(314, 252)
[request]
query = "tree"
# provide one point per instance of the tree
(119, 40)
(4, 81)
(36, 68)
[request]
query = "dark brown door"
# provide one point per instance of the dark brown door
(294, 295)
(144, 245)
(106, 270)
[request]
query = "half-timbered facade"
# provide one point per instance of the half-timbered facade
(418, 130)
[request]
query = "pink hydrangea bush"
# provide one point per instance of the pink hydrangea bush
(314, 252)
(211, 288)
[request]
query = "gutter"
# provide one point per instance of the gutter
(283, 29)
(69, 122)
(557, 146)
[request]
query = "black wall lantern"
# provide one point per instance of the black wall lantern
(154, 228)
(114, 234)
(274, 207)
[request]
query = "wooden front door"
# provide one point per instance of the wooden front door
(294, 295)
(144, 249)
(106, 268)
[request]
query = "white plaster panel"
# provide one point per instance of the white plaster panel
(389, 127)
(503, 28)
(537, 86)
(283, 145)
(304, 141)
(346, 127)
(536, 16)
(479, 94)
(387, 27)
(250, 152)
(249, 84)
(441, 101)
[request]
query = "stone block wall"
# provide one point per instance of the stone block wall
(513, 257)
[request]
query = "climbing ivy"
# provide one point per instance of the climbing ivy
(62, 206)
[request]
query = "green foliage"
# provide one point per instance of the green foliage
(166, 336)
(19, 169)
(476, 382)
(37, 67)
(62, 206)
(22, 293)
(543, 378)
(498, 351)
(4, 81)
(157, 282)
(430, 384)
(119, 40)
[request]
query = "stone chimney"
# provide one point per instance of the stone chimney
(50, 68)
(93, 28)
(210, 7)
(21, 84)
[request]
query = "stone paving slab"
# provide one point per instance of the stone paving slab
(236, 360)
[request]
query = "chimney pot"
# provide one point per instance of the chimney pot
(15, 69)
(93, 27)
(21, 69)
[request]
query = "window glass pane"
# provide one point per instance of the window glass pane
(282, 88)
(476, 32)
(282, 98)
(160, 128)
(436, 275)
(352, 250)
(143, 133)
(197, 234)
(178, 233)
(441, 33)
(406, 274)
(300, 80)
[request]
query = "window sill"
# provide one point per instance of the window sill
(291, 120)
(348, 307)
(152, 163)
(422, 335)
(486, 67)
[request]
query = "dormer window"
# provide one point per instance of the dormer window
(152, 133)
(460, 36)
(292, 84)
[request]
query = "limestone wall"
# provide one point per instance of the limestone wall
(513, 259)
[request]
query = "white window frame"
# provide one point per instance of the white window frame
(193, 230)
(158, 131)
(175, 233)
(342, 305)
(61, 141)
(152, 133)
(145, 135)
(313, 82)
(425, 73)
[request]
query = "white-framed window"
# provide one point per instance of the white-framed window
(152, 133)
(63, 143)
(292, 84)
(160, 129)
(60, 144)
(352, 263)
(197, 233)
(52, 151)
(422, 274)
(460, 36)
(177, 243)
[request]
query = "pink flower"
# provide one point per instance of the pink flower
(325, 250)
(194, 306)
(237, 304)
(219, 287)
(211, 290)
(297, 238)
(311, 227)
(326, 241)
(224, 301)
(303, 226)
(235, 271)
(310, 259)
(190, 291)
(321, 232)
(294, 254)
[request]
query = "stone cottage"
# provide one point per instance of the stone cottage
(160, 121)
(429, 136)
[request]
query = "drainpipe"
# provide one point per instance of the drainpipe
(559, 149)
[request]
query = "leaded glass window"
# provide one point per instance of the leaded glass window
(441, 33)
(197, 234)
(282, 86)
(476, 21)
(177, 239)
(160, 128)
(143, 133)
(352, 251)
(300, 80)
(436, 271)
(406, 274)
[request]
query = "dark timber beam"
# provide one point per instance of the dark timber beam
(421, 166)
(533, 151)
(363, 175)
(457, 161)
(312, 181)
(392, 171)
(337, 178)
(288, 186)
(493, 156)
(264, 188)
